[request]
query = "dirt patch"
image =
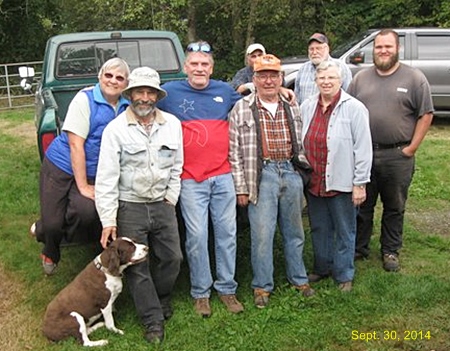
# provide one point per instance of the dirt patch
(433, 222)
(26, 131)
(17, 323)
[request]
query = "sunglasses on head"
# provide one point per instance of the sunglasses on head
(110, 76)
(200, 46)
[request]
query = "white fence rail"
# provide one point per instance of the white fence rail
(11, 93)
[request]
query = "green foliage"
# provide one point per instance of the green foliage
(282, 26)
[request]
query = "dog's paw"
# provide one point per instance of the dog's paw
(118, 331)
(96, 343)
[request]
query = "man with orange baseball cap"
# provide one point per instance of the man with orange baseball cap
(264, 177)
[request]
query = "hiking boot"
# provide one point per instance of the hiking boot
(261, 298)
(48, 265)
(345, 286)
(202, 307)
(232, 303)
(32, 231)
(314, 278)
(391, 262)
(154, 332)
(306, 290)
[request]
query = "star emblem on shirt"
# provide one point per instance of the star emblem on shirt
(187, 105)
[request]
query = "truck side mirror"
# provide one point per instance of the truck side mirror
(26, 72)
(27, 75)
(357, 57)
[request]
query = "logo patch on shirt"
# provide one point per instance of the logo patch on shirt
(402, 90)
(218, 99)
(187, 105)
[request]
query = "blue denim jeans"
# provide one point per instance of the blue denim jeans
(333, 233)
(214, 197)
(151, 282)
(279, 201)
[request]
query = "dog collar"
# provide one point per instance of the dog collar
(98, 263)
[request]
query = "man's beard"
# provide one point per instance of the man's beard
(386, 65)
(139, 110)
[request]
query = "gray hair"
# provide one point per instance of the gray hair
(190, 53)
(114, 63)
(324, 65)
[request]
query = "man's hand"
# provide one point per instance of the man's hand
(242, 200)
(288, 94)
(108, 233)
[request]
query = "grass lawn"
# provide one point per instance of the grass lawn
(408, 310)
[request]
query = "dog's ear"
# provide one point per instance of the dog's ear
(114, 260)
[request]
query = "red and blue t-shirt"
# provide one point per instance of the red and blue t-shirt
(204, 118)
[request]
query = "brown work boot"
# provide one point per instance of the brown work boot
(232, 303)
(314, 278)
(202, 307)
(261, 298)
(346, 286)
(306, 290)
(391, 262)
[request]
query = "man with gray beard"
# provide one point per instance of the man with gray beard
(137, 188)
(400, 108)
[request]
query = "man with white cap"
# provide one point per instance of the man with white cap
(137, 188)
(242, 81)
(318, 51)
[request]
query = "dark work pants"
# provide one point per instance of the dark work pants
(391, 177)
(65, 213)
(151, 282)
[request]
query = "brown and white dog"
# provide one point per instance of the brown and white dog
(92, 294)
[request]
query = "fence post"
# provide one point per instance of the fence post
(8, 88)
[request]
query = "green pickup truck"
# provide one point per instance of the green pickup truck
(72, 62)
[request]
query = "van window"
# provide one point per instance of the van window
(86, 58)
(433, 47)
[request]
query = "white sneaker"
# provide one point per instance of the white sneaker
(32, 231)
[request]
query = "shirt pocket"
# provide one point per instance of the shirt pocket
(166, 155)
(135, 155)
(343, 128)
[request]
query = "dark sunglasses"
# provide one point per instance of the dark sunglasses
(199, 46)
(118, 78)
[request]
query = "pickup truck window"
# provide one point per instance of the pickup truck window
(368, 50)
(433, 47)
(85, 58)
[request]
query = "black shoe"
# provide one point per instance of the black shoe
(360, 257)
(155, 332)
(167, 312)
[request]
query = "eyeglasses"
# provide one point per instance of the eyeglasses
(323, 79)
(199, 46)
(271, 76)
(120, 79)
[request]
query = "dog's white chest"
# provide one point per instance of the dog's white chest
(114, 285)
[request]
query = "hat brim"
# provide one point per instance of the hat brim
(126, 93)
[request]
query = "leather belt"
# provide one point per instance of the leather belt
(390, 146)
(267, 161)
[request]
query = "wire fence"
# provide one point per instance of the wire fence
(12, 95)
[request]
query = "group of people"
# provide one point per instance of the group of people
(131, 149)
